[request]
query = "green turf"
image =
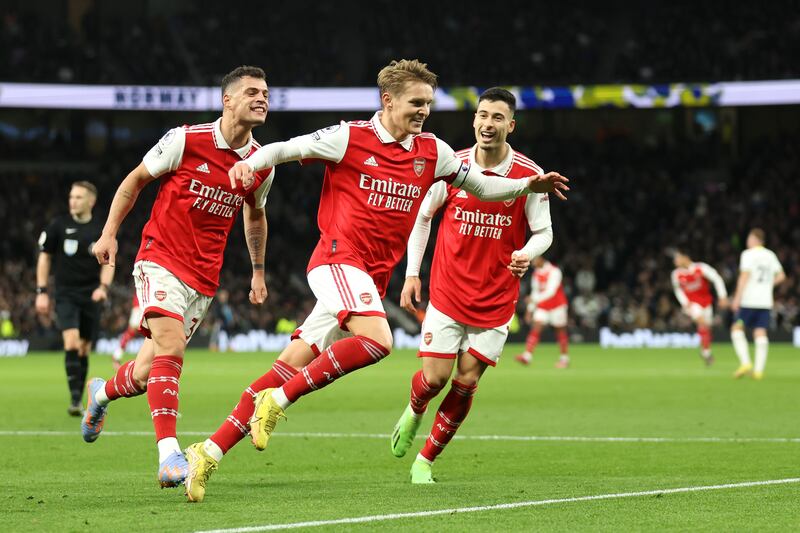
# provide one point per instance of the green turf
(58, 483)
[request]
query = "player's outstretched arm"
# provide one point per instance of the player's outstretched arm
(550, 182)
(493, 188)
(328, 144)
(255, 231)
(105, 249)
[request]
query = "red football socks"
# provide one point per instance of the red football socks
(705, 337)
(532, 340)
(162, 394)
(236, 426)
(126, 337)
(563, 341)
(451, 414)
(421, 393)
(122, 385)
(341, 358)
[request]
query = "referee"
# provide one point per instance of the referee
(81, 284)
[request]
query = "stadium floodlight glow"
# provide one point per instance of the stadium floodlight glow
(188, 98)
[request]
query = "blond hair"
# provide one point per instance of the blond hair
(393, 77)
(89, 186)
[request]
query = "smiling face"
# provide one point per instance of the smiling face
(494, 120)
(247, 100)
(404, 113)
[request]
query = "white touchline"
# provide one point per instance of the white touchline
(499, 506)
(521, 438)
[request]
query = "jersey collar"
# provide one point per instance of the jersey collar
(501, 169)
(386, 137)
(222, 144)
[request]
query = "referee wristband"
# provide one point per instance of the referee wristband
(41, 290)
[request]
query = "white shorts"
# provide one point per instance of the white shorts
(135, 319)
(556, 317)
(160, 292)
(342, 291)
(444, 338)
(697, 311)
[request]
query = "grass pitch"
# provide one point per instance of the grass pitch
(534, 434)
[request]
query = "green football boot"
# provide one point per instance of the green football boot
(421, 473)
(404, 432)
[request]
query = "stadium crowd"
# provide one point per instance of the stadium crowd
(546, 43)
(631, 203)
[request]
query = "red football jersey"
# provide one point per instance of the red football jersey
(693, 283)
(469, 279)
(540, 285)
(370, 199)
(195, 207)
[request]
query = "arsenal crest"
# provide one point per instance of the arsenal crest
(419, 166)
(428, 337)
(509, 203)
(366, 298)
(160, 295)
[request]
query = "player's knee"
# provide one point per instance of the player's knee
(436, 380)
(297, 355)
(141, 371)
(468, 378)
(383, 338)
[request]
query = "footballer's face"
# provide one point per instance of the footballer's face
(81, 202)
(681, 260)
(247, 100)
(494, 120)
(753, 241)
(406, 111)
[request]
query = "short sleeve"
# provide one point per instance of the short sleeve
(166, 155)
(258, 198)
(328, 144)
(745, 264)
(537, 210)
(48, 239)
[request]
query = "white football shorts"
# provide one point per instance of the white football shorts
(342, 291)
(556, 317)
(160, 292)
(445, 338)
(697, 311)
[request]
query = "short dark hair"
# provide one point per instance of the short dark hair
(88, 185)
(239, 73)
(499, 94)
(759, 234)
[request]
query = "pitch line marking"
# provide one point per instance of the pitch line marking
(521, 438)
(500, 506)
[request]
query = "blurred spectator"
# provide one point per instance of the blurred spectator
(564, 42)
